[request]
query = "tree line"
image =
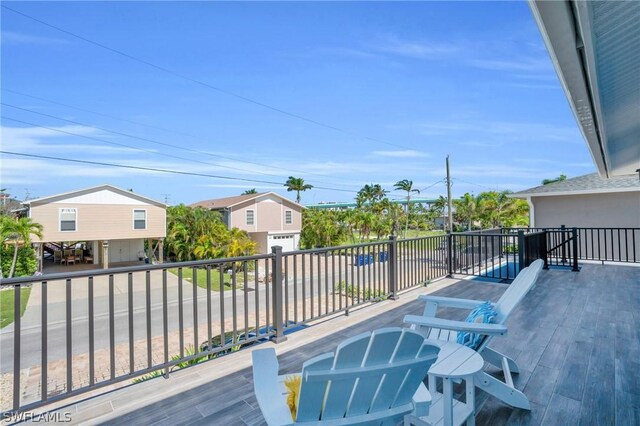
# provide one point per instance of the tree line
(196, 233)
(375, 216)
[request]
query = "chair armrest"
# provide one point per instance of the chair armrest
(451, 302)
(474, 327)
(267, 388)
(421, 401)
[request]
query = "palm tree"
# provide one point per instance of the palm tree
(349, 219)
(467, 209)
(6, 229)
(21, 231)
(365, 223)
(249, 191)
(297, 185)
(406, 185)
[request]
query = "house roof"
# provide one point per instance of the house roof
(594, 48)
(62, 196)
(587, 184)
(226, 202)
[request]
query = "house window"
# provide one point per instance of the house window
(288, 217)
(139, 219)
(250, 217)
(68, 219)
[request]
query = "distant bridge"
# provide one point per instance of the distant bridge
(331, 205)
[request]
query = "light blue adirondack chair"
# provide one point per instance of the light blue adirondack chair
(433, 327)
(372, 379)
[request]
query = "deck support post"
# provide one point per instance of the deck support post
(574, 255)
(393, 267)
(277, 302)
(449, 254)
(521, 251)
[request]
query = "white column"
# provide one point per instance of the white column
(532, 215)
(105, 254)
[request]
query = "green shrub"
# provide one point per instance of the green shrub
(26, 265)
(188, 351)
(363, 293)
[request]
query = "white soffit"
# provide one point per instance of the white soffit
(595, 49)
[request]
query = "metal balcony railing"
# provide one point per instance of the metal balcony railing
(91, 329)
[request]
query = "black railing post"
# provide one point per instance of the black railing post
(564, 243)
(544, 251)
(521, 251)
(574, 231)
(276, 282)
(449, 254)
(17, 334)
(393, 267)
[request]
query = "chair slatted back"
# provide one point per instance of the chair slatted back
(368, 375)
(517, 290)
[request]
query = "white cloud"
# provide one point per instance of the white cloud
(520, 64)
(349, 52)
(480, 144)
(503, 131)
(533, 86)
(11, 37)
(414, 49)
(41, 140)
(501, 171)
(407, 153)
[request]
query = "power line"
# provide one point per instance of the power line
(125, 145)
(433, 184)
(473, 183)
(115, 132)
(155, 169)
(126, 120)
(204, 84)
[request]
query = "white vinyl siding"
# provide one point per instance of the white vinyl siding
(139, 219)
(250, 217)
(68, 220)
(288, 217)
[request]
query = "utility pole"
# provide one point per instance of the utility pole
(450, 214)
(166, 198)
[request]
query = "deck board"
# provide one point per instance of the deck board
(576, 338)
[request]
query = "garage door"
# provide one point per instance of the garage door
(124, 250)
(286, 241)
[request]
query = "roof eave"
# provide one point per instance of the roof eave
(43, 200)
(525, 195)
(563, 26)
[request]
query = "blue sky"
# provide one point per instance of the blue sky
(407, 84)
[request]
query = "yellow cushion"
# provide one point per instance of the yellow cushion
(292, 383)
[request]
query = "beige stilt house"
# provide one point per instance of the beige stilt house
(103, 226)
(269, 218)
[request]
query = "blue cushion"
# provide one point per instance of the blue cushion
(483, 313)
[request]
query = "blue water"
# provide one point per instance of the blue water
(499, 273)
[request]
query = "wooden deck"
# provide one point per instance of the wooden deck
(576, 338)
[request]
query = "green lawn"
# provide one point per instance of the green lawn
(201, 276)
(6, 304)
(414, 233)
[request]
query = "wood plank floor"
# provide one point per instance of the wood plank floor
(575, 337)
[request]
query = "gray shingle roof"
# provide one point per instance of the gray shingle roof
(586, 183)
(220, 203)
